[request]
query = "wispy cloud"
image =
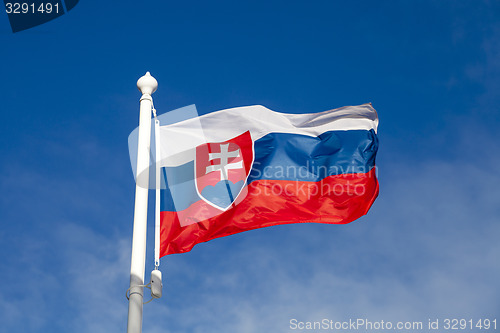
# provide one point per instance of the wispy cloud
(427, 249)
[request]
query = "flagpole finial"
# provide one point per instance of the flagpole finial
(147, 84)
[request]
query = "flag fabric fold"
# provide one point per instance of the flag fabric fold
(245, 168)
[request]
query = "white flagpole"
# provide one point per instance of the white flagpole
(147, 85)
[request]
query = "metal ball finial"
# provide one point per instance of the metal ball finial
(147, 84)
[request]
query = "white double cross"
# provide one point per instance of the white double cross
(224, 157)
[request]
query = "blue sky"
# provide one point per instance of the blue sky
(428, 248)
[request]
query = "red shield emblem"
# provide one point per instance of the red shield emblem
(222, 169)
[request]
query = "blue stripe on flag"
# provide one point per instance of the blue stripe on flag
(283, 156)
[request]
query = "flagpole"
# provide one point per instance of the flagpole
(147, 85)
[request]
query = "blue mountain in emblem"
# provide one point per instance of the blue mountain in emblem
(223, 193)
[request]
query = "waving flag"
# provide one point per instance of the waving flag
(245, 168)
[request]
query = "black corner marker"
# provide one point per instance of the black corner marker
(26, 14)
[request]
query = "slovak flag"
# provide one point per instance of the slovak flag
(249, 167)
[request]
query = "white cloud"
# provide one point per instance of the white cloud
(427, 250)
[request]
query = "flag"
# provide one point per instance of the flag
(250, 167)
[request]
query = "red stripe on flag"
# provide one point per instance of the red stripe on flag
(336, 199)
